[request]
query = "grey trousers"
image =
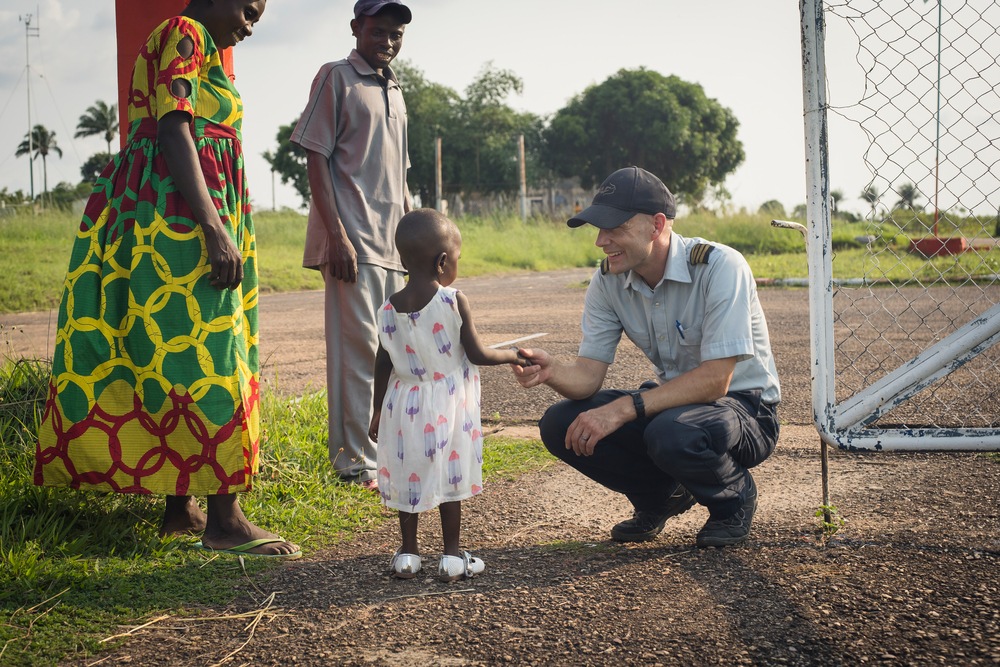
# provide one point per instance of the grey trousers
(707, 448)
(351, 344)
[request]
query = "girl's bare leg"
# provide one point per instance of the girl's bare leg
(451, 527)
(408, 529)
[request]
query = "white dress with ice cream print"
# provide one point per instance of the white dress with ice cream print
(430, 441)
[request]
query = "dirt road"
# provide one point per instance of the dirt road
(910, 579)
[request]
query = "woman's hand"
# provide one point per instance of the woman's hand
(177, 145)
(223, 256)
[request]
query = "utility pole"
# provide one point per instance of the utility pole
(438, 187)
(522, 177)
(28, 33)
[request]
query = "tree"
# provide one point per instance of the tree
(772, 208)
(99, 119)
(94, 165)
(871, 194)
(431, 111)
(640, 117)
(42, 143)
(836, 196)
(64, 194)
(907, 196)
(486, 136)
(289, 162)
(478, 133)
(12, 198)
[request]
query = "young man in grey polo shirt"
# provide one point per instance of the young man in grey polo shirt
(691, 306)
(354, 131)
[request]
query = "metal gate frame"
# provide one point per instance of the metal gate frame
(847, 424)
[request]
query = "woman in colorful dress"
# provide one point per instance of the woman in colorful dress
(155, 376)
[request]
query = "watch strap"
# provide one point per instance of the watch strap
(640, 405)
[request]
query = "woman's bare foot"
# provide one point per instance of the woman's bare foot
(228, 528)
(182, 516)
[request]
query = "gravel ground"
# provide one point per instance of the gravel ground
(909, 579)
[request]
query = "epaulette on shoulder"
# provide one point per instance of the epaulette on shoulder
(700, 253)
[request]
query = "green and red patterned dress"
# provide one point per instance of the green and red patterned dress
(155, 376)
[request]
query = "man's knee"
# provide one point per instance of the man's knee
(675, 445)
(554, 424)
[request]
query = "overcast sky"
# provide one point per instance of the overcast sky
(744, 54)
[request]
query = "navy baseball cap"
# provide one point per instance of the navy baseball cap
(372, 7)
(623, 194)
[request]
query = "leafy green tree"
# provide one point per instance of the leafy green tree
(640, 117)
(431, 111)
(99, 119)
(478, 136)
(772, 208)
(478, 133)
(94, 165)
(64, 194)
(289, 162)
(907, 196)
(482, 144)
(42, 143)
(12, 198)
(871, 194)
(836, 196)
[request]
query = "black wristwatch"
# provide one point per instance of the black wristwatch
(640, 405)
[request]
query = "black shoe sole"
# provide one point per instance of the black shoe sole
(704, 543)
(649, 535)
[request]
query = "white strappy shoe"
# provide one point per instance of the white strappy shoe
(453, 568)
(404, 566)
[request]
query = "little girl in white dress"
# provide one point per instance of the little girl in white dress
(426, 404)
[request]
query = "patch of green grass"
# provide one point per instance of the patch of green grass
(496, 245)
(507, 458)
(502, 245)
(36, 250)
(281, 237)
(78, 566)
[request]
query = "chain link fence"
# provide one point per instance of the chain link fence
(919, 95)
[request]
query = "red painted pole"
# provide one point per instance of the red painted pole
(135, 19)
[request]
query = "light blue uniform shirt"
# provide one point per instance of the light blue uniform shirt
(697, 312)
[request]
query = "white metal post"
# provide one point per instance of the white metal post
(818, 213)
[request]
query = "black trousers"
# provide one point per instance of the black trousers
(708, 448)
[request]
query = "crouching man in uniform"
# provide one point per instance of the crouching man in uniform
(691, 306)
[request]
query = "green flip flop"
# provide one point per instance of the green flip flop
(244, 549)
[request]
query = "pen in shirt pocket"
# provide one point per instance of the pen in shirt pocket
(680, 328)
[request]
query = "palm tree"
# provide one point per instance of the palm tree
(836, 196)
(871, 194)
(907, 196)
(99, 119)
(42, 143)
